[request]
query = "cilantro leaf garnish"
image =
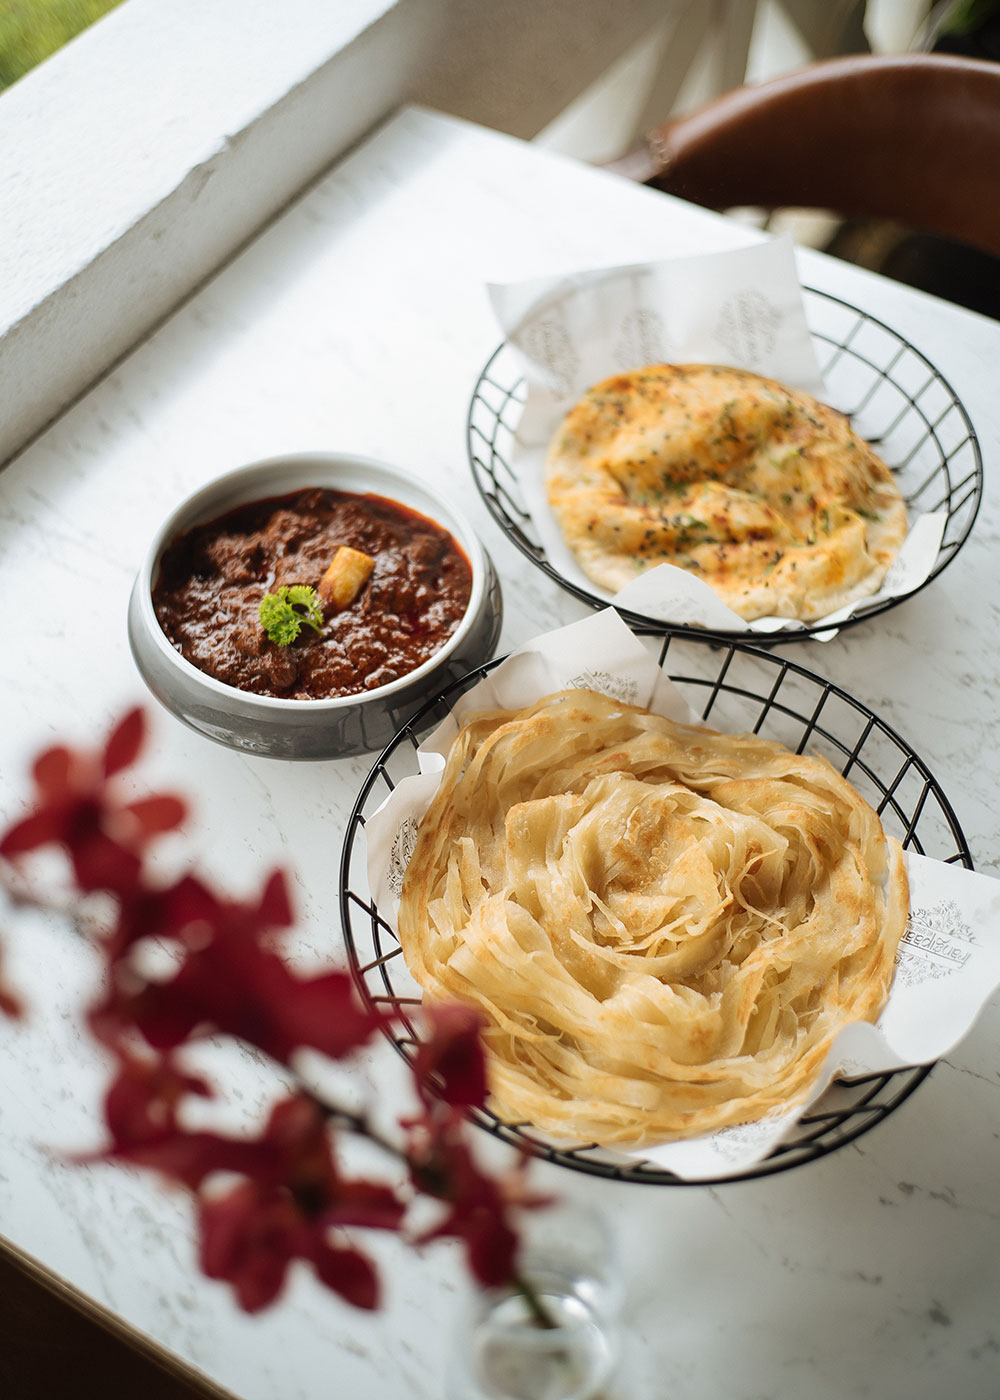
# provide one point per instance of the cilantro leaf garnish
(282, 613)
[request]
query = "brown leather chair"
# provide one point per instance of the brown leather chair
(912, 138)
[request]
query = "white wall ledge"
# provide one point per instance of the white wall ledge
(137, 159)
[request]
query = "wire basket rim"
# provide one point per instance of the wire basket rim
(785, 1155)
(642, 623)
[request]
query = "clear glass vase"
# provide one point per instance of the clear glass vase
(565, 1341)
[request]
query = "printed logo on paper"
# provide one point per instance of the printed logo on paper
(399, 856)
(937, 942)
(684, 608)
(745, 1139)
(618, 687)
(547, 343)
(642, 339)
(852, 1068)
(748, 327)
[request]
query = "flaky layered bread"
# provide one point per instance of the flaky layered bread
(663, 926)
(760, 490)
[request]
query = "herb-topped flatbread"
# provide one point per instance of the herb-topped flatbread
(761, 490)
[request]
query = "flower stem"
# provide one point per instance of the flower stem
(358, 1124)
(539, 1312)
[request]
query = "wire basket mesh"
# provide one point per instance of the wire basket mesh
(734, 687)
(892, 394)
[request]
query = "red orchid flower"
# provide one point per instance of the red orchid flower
(178, 912)
(480, 1209)
(290, 1208)
(293, 1153)
(141, 1112)
(449, 1063)
(142, 1099)
(230, 981)
(478, 1212)
(251, 1235)
(76, 809)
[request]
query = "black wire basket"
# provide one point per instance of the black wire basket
(892, 394)
(735, 688)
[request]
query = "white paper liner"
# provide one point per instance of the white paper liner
(742, 308)
(948, 963)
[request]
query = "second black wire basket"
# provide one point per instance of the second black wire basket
(735, 688)
(895, 398)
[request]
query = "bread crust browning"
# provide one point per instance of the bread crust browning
(760, 490)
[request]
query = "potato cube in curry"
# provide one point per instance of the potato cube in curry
(346, 575)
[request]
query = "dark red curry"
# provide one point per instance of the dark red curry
(213, 577)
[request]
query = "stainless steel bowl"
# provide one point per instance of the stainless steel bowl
(309, 729)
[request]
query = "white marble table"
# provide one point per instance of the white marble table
(359, 321)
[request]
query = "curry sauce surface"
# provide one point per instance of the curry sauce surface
(212, 579)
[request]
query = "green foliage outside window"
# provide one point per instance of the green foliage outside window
(30, 30)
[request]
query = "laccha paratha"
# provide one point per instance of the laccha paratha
(663, 926)
(760, 490)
